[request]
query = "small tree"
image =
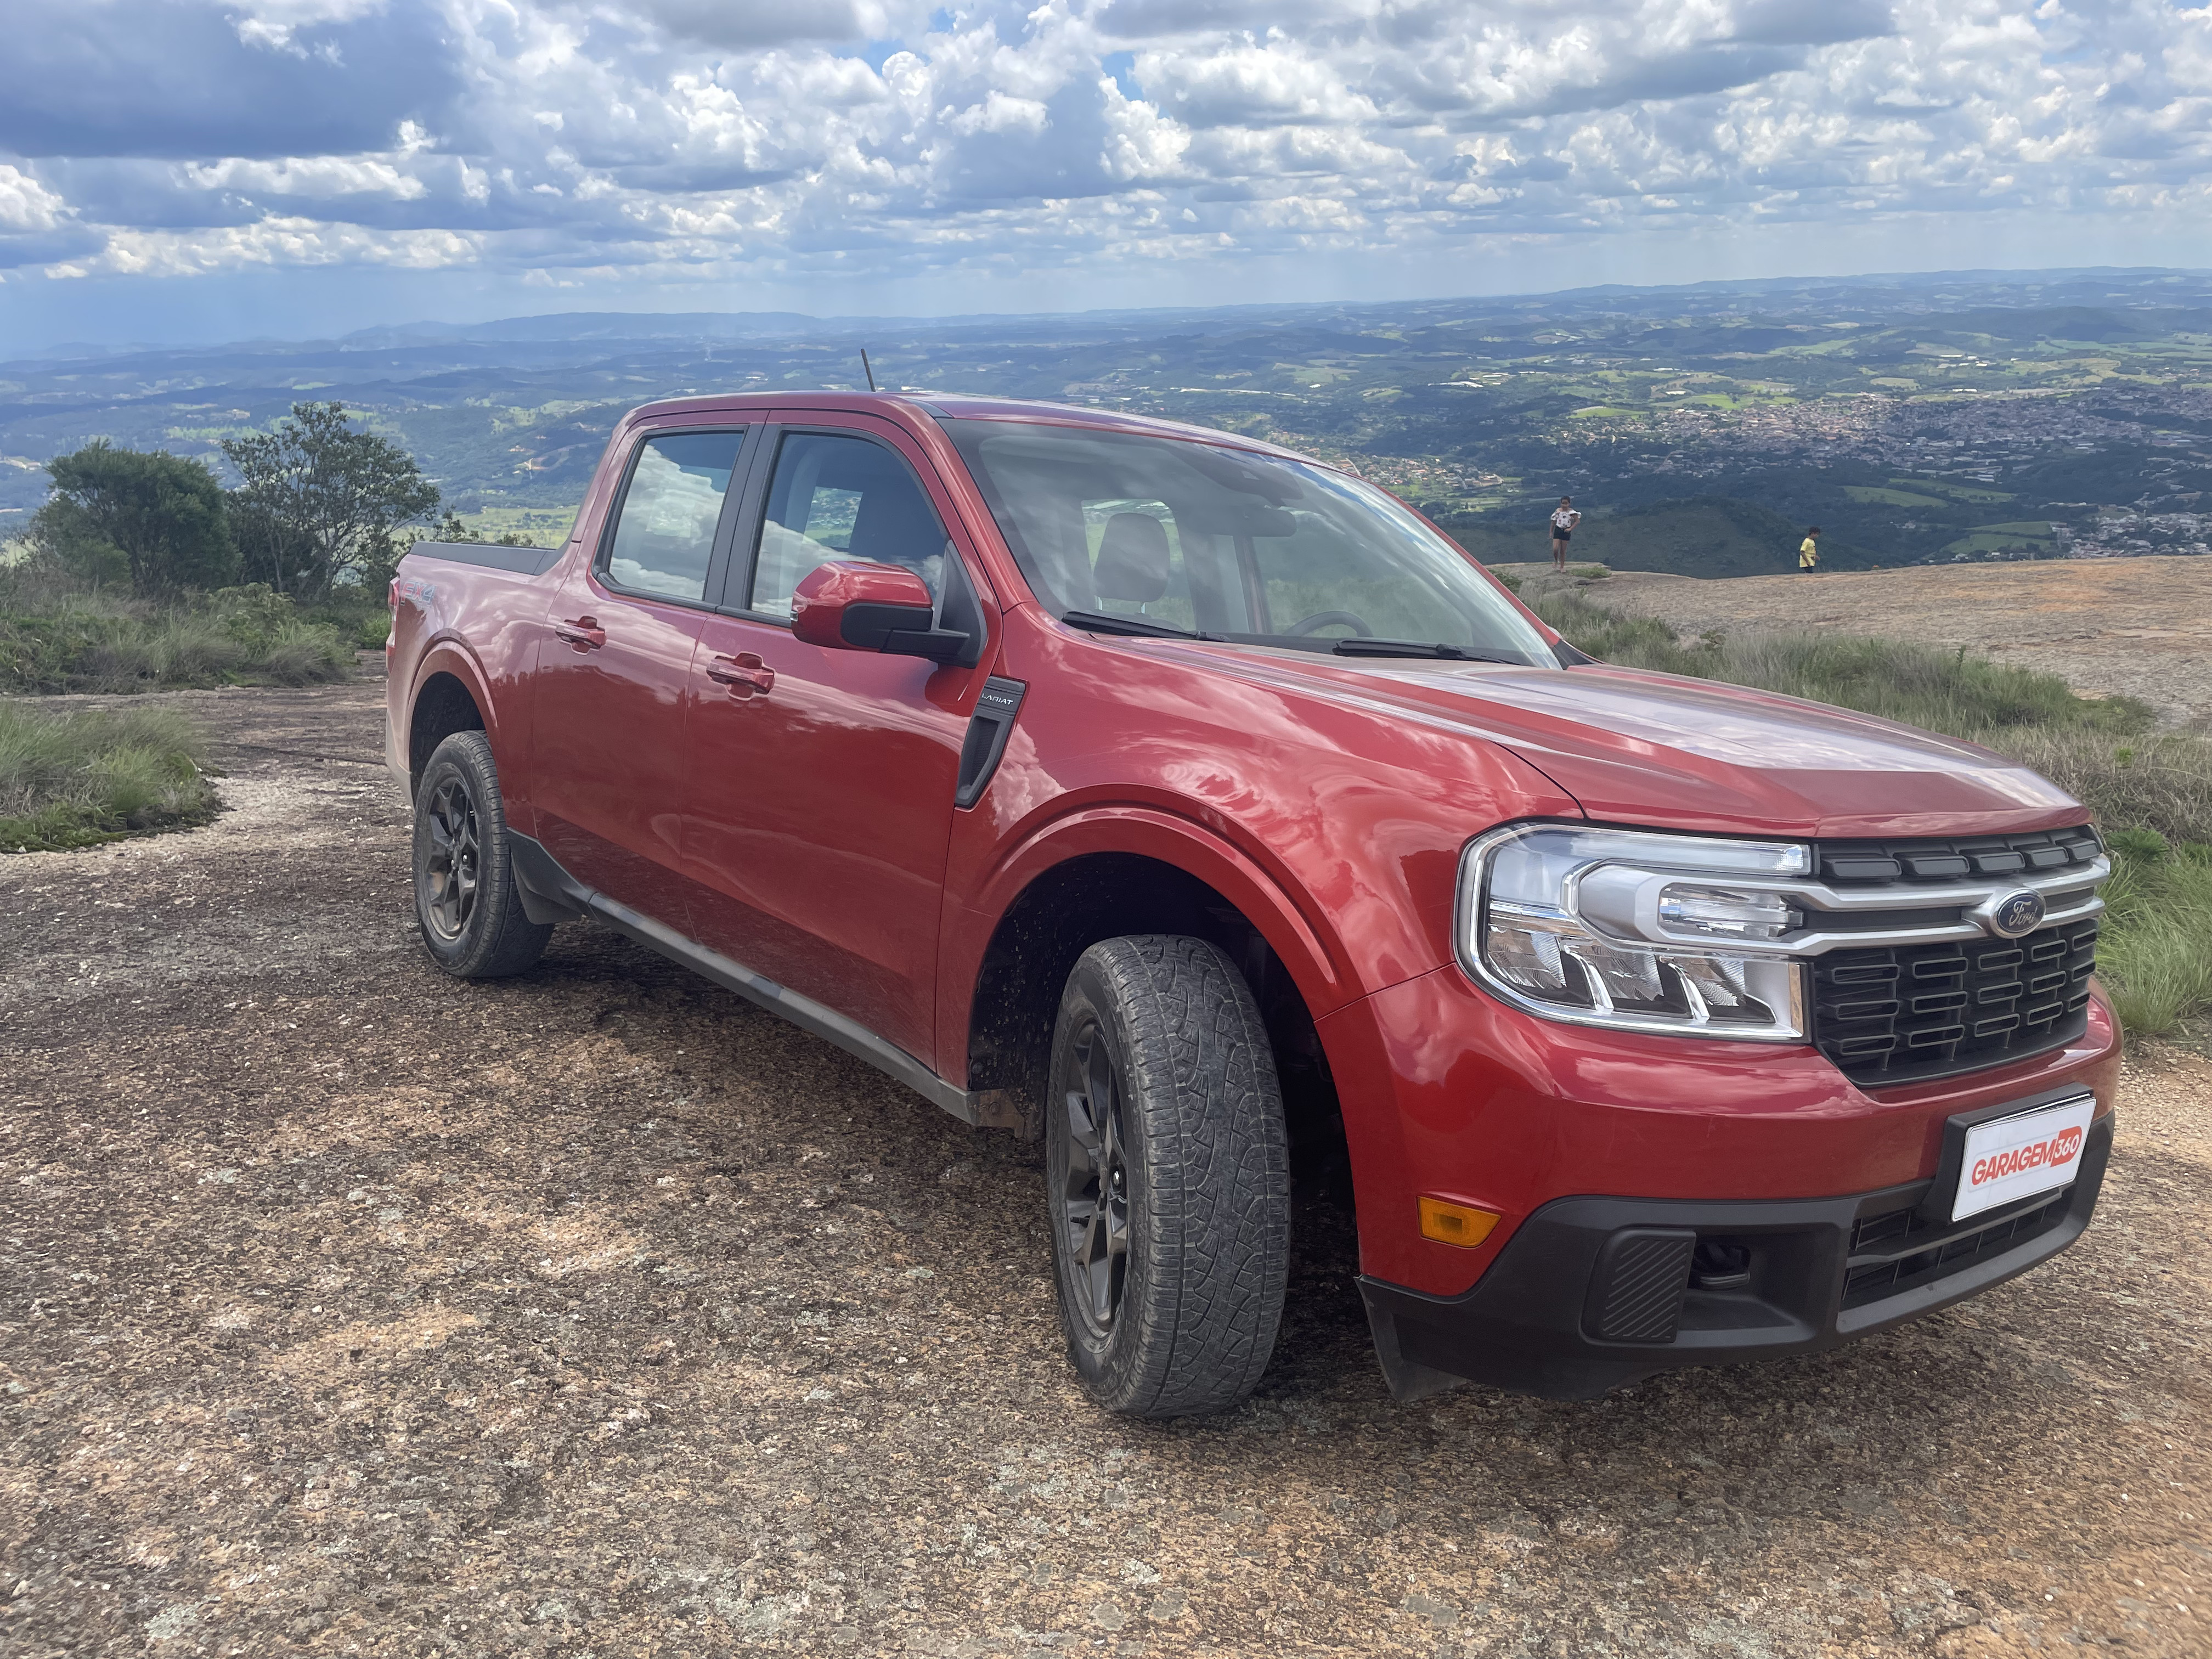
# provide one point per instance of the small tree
(158, 518)
(320, 499)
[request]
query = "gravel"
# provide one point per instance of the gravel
(347, 1310)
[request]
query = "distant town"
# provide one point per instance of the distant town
(1918, 420)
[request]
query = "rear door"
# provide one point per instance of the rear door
(821, 781)
(613, 668)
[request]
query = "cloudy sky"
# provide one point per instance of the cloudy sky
(174, 169)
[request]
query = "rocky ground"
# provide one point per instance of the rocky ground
(2132, 626)
(346, 1309)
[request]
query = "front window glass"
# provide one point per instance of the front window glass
(1250, 547)
(840, 498)
(664, 537)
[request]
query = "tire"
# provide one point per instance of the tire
(1169, 1207)
(466, 907)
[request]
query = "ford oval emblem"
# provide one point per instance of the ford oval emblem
(2016, 914)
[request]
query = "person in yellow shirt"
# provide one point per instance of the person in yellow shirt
(1808, 552)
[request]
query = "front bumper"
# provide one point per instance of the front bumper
(1591, 1293)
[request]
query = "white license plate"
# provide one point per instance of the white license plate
(2019, 1156)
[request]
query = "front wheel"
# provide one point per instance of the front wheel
(466, 903)
(1167, 1178)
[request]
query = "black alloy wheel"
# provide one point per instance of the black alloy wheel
(1168, 1181)
(1095, 1192)
(467, 904)
(455, 860)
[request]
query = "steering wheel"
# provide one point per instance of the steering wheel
(1321, 619)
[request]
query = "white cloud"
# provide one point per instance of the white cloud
(26, 205)
(275, 241)
(272, 24)
(714, 140)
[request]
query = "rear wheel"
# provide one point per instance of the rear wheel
(466, 905)
(1167, 1178)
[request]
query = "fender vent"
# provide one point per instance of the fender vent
(986, 742)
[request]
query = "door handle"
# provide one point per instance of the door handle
(584, 633)
(745, 674)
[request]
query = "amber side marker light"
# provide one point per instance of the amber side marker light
(1455, 1224)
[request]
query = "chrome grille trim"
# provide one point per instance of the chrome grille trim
(1624, 902)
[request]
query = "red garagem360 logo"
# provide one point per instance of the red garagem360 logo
(2060, 1149)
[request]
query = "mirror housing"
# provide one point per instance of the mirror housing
(855, 605)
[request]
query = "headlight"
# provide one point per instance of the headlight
(1636, 931)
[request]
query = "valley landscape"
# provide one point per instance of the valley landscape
(1919, 419)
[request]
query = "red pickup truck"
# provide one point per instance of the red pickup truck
(1201, 808)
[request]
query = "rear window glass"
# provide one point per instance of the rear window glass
(663, 538)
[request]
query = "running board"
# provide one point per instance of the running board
(549, 893)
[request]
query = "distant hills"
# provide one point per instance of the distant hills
(1917, 417)
(2002, 304)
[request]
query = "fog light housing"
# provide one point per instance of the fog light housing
(1449, 1222)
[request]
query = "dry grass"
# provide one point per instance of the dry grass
(86, 777)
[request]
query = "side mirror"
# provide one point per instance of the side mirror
(853, 605)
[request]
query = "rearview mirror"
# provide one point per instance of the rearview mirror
(853, 605)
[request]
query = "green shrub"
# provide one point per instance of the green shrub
(304, 653)
(86, 777)
(2155, 954)
(89, 642)
(360, 615)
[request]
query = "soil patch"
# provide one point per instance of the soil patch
(345, 1308)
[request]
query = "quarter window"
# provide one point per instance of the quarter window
(840, 498)
(664, 539)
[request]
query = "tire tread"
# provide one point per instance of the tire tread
(509, 943)
(1201, 1073)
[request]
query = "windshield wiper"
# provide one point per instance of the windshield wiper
(1098, 622)
(1372, 647)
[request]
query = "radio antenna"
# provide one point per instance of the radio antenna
(865, 370)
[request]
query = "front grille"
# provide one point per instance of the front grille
(1905, 1013)
(1926, 1011)
(1875, 1280)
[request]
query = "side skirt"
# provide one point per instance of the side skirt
(550, 894)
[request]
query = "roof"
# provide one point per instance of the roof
(956, 406)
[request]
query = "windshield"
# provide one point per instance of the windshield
(1171, 535)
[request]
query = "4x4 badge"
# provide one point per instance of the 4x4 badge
(2016, 914)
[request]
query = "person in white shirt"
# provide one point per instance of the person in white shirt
(1563, 520)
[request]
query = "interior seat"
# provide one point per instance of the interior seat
(894, 525)
(1133, 559)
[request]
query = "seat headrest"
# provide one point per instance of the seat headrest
(894, 525)
(1133, 559)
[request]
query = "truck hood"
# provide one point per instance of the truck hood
(1675, 753)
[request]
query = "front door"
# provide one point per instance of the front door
(821, 781)
(613, 666)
